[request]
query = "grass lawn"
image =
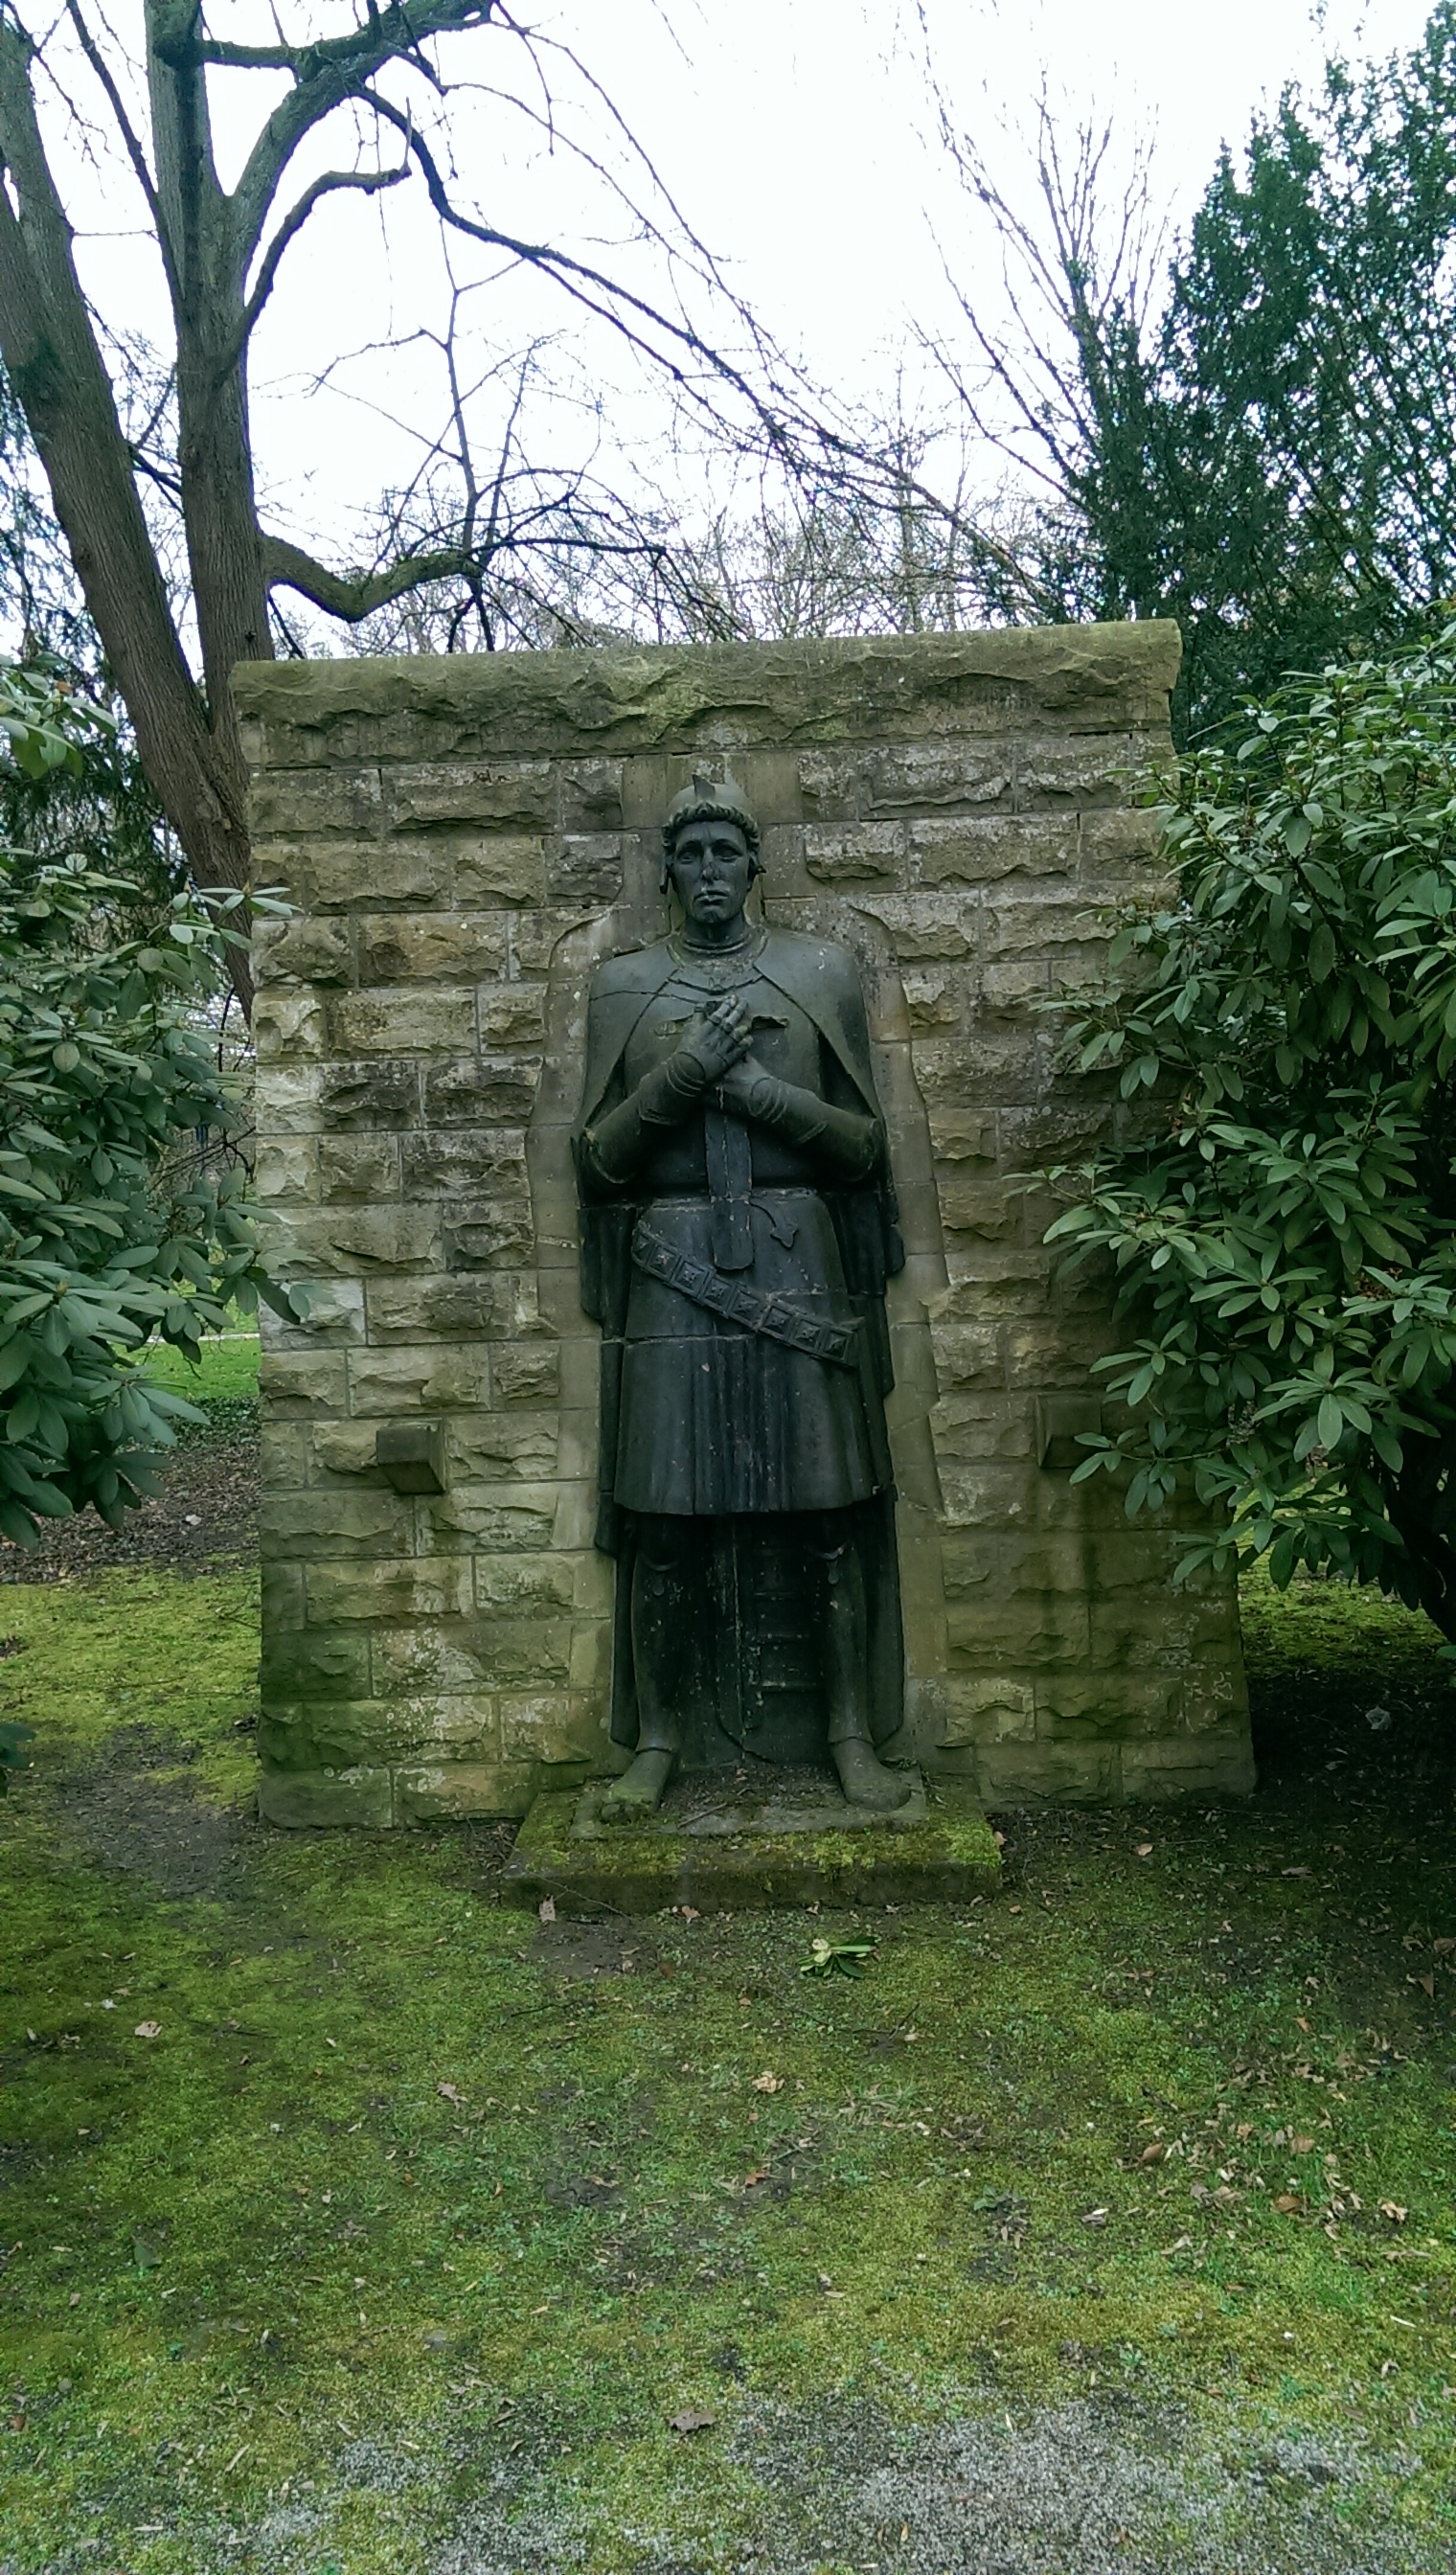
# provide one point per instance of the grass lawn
(353, 2222)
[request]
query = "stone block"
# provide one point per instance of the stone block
(286, 1099)
(976, 1497)
(1173, 1769)
(355, 1098)
(432, 948)
(390, 1384)
(980, 1426)
(515, 1442)
(511, 1014)
(490, 1520)
(437, 1792)
(583, 867)
(402, 1590)
(313, 803)
(355, 875)
(968, 1356)
(349, 1239)
(532, 1651)
(909, 777)
(464, 1157)
(439, 1657)
(591, 795)
(282, 1588)
(1014, 928)
(326, 1521)
(447, 1310)
(354, 1168)
(854, 853)
(1031, 1628)
(505, 870)
(439, 1021)
(1113, 1706)
(936, 1002)
(514, 1584)
(481, 1089)
(321, 1798)
(990, 1710)
(505, 796)
(289, 1024)
(1107, 770)
(526, 1373)
(294, 1382)
(924, 929)
(490, 1232)
(1042, 1774)
(307, 951)
(342, 1449)
(287, 1167)
(301, 1663)
(979, 850)
(979, 1203)
(547, 1726)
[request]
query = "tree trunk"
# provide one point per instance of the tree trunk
(52, 359)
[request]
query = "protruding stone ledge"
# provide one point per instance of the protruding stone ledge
(717, 698)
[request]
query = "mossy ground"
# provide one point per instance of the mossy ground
(402, 2235)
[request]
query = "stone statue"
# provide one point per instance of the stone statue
(737, 1227)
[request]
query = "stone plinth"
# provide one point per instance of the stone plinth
(728, 1849)
(462, 840)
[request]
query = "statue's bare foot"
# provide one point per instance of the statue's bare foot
(865, 1778)
(639, 1789)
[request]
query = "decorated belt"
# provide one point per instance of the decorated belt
(772, 1317)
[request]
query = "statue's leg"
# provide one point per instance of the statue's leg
(661, 1625)
(863, 1777)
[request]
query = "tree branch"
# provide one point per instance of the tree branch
(352, 596)
(325, 76)
(129, 136)
(366, 183)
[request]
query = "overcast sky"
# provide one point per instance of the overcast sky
(798, 138)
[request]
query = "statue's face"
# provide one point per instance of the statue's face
(711, 868)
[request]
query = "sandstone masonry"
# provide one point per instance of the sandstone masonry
(460, 840)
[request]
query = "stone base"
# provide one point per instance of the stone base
(728, 1844)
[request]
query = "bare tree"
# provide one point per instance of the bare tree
(383, 83)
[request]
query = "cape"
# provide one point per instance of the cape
(824, 980)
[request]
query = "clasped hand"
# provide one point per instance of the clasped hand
(718, 1039)
(718, 1044)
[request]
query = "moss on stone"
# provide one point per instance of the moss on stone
(948, 1859)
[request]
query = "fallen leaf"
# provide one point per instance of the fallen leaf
(693, 2418)
(1144, 1850)
(1429, 1982)
(1094, 2218)
(448, 2092)
(1152, 2155)
(1301, 2145)
(545, 1910)
(690, 1913)
(1294, 1872)
(766, 2082)
(147, 2029)
(1290, 2203)
(1392, 2209)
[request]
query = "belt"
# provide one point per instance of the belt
(772, 1317)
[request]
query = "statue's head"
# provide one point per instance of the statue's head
(710, 847)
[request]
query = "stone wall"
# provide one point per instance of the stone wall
(460, 840)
